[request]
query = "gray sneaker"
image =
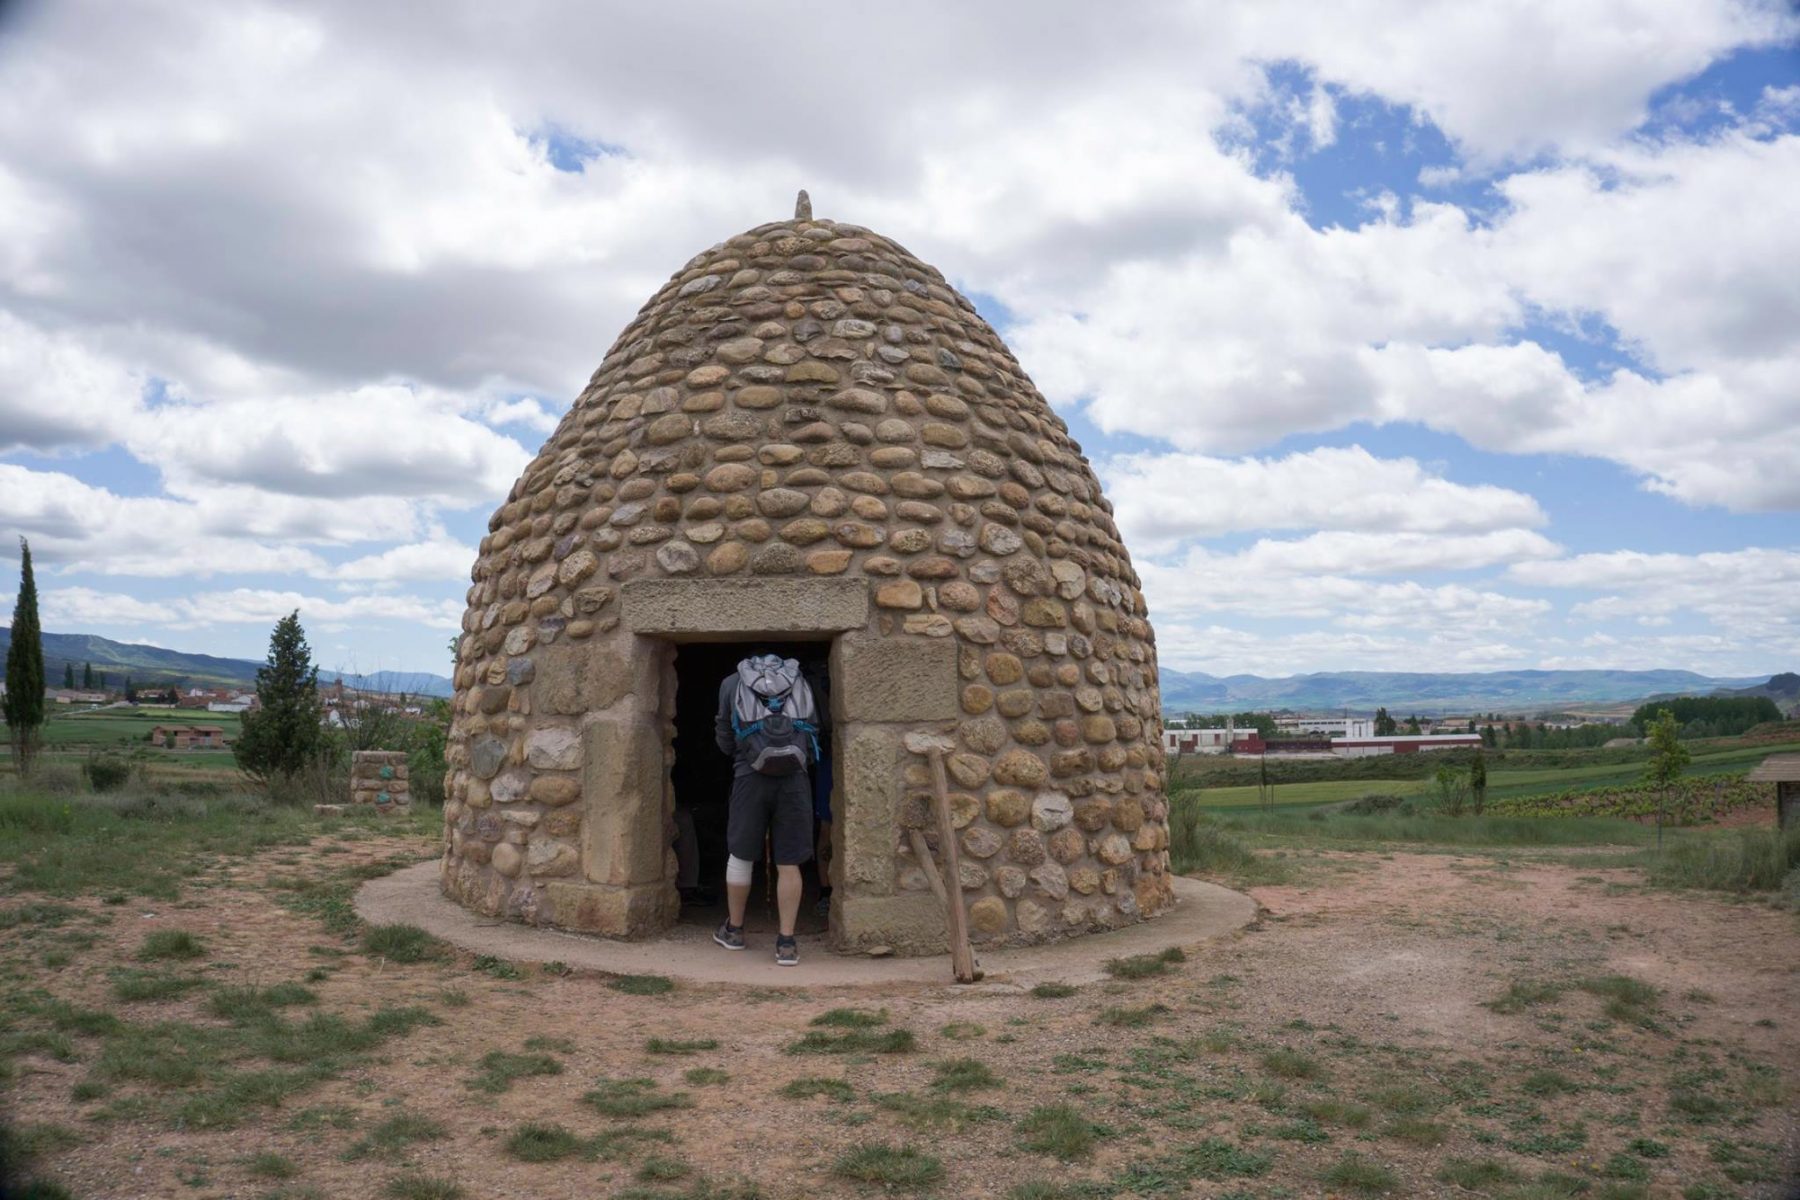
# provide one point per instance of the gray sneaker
(728, 937)
(787, 952)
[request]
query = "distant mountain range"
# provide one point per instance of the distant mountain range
(152, 666)
(1404, 693)
(1430, 694)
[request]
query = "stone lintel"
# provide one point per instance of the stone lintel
(729, 609)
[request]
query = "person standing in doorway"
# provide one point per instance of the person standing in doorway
(768, 724)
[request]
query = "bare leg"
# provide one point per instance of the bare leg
(737, 899)
(787, 897)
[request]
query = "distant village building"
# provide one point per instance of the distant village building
(65, 696)
(239, 703)
(1211, 741)
(188, 737)
(1348, 727)
(1403, 744)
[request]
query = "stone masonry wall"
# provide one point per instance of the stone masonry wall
(808, 401)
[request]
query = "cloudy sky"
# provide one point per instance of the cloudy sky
(1404, 335)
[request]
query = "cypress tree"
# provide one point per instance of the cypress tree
(25, 668)
(287, 734)
(87, 677)
(69, 676)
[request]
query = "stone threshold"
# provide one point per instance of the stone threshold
(1203, 912)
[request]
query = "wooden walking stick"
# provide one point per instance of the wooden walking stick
(949, 887)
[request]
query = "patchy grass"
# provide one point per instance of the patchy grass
(1522, 994)
(416, 1185)
(401, 943)
(269, 1165)
(153, 985)
(963, 1075)
(1060, 1130)
(935, 1112)
(642, 985)
(1054, 991)
(850, 1018)
(658, 1045)
(499, 1068)
(1143, 966)
(705, 1076)
(394, 1134)
(1476, 1174)
(854, 1041)
(632, 1098)
(1741, 862)
(1360, 1175)
(1131, 1018)
(1292, 1064)
(538, 1142)
(176, 944)
(810, 1086)
(903, 1167)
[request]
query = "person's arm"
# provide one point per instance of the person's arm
(722, 731)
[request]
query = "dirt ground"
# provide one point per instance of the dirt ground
(1350, 1025)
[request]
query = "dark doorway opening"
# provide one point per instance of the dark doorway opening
(701, 776)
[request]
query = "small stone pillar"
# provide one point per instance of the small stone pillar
(378, 779)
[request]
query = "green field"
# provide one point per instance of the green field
(1502, 783)
(110, 728)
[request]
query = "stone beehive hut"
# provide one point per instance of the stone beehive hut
(807, 435)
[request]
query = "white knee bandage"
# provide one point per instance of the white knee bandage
(737, 870)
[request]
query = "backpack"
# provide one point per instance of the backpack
(773, 716)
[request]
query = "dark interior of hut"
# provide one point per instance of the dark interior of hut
(701, 775)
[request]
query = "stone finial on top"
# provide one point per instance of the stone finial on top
(803, 206)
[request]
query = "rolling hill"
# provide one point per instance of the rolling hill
(1429, 694)
(155, 666)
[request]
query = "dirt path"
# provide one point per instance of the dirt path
(1352, 1020)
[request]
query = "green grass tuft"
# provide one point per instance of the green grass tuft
(536, 1142)
(850, 1018)
(1292, 1064)
(401, 943)
(499, 1068)
(1054, 991)
(171, 944)
(632, 1098)
(418, 1186)
(854, 1041)
(642, 985)
(814, 1085)
(658, 1045)
(1361, 1175)
(1131, 1018)
(1060, 1130)
(1142, 966)
(963, 1075)
(900, 1167)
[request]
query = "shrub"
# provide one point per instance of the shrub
(107, 772)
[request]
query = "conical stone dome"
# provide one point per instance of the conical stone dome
(808, 433)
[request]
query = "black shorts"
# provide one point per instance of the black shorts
(761, 803)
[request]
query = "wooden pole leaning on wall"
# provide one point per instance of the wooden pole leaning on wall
(948, 886)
